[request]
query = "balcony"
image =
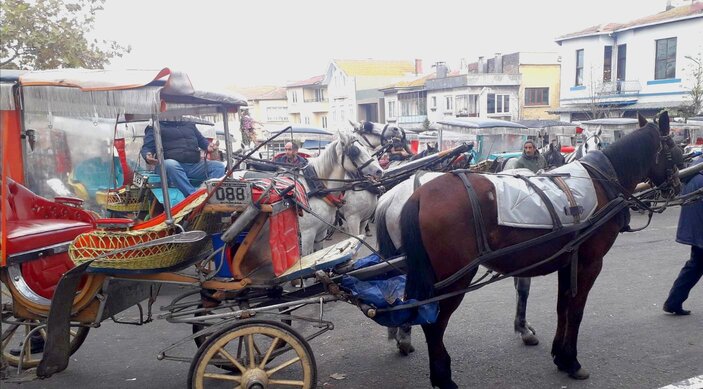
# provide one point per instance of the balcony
(619, 88)
(315, 100)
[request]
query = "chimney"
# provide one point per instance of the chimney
(481, 65)
(668, 5)
(441, 69)
(498, 63)
(418, 66)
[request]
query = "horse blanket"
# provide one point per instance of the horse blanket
(519, 205)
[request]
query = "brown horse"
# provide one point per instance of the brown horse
(442, 234)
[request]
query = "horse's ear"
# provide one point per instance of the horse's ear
(343, 137)
(641, 119)
(355, 125)
(664, 126)
(599, 132)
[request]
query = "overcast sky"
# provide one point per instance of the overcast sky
(256, 42)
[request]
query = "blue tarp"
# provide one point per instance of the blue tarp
(385, 293)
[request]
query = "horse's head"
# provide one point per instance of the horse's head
(355, 158)
(592, 140)
(553, 155)
(669, 158)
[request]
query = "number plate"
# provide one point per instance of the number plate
(230, 192)
(139, 180)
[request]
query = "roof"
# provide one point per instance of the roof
(628, 106)
(304, 130)
(11, 75)
(612, 121)
(262, 92)
(417, 82)
(317, 80)
(690, 10)
(544, 123)
(480, 123)
(372, 67)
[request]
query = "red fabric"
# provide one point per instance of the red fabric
(42, 275)
(279, 155)
(567, 149)
(29, 235)
(259, 186)
(284, 240)
(127, 173)
(414, 145)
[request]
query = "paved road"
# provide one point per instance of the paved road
(626, 341)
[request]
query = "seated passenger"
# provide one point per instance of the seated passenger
(397, 152)
(291, 156)
(182, 143)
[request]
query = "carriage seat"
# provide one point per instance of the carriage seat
(35, 223)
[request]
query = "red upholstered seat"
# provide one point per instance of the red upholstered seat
(32, 234)
(34, 223)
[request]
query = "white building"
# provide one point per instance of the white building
(617, 70)
(353, 88)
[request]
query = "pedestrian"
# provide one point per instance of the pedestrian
(689, 232)
(182, 142)
(531, 158)
(246, 126)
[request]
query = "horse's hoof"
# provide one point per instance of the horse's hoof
(580, 374)
(406, 349)
(530, 340)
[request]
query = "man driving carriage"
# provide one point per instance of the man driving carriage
(182, 142)
(291, 156)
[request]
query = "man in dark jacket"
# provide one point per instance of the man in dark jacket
(531, 158)
(291, 156)
(182, 143)
(690, 232)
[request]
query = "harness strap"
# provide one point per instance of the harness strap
(556, 222)
(481, 235)
(574, 209)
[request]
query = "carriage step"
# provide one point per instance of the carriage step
(324, 259)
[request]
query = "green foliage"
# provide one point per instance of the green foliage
(49, 34)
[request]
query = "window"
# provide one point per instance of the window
(413, 103)
(579, 68)
(448, 103)
(622, 61)
(319, 95)
(498, 103)
(391, 109)
(665, 66)
(276, 114)
(536, 96)
(307, 120)
(466, 105)
(324, 121)
(607, 63)
(434, 102)
(294, 96)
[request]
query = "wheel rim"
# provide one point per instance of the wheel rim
(13, 336)
(249, 350)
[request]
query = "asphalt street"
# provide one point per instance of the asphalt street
(626, 341)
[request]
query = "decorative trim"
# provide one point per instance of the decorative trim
(577, 87)
(664, 81)
(624, 95)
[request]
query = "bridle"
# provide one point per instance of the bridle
(597, 138)
(353, 152)
(672, 180)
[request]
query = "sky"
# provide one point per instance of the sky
(273, 42)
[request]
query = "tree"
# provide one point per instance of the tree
(694, 103)
(48, 34)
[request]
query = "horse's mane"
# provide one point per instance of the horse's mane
(632, 155)
(326, 161)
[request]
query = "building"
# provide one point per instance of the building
(406, 103)
(308, 102)
(510, 87)
(620, 69)
(268, 106)
(353, 88)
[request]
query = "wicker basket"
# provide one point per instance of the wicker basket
(92, 244)
(123, 200)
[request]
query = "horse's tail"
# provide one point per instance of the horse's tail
(385, 244)
(421, 277)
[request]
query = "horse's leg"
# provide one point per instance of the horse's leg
(563, 294)
(522, 290)
(440, 361)
(566, 357)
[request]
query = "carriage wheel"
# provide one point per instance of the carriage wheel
(246, 349)
(14, 333)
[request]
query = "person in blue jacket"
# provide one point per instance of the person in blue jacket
(690, 232)
(182, 142)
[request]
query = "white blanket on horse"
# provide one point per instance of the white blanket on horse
(519, 205)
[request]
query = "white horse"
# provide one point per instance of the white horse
(342, 156)
(359, 205)
(591, 142)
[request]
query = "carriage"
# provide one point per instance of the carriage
(67, 268)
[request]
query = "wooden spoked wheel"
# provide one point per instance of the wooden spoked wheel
(254, 354)
(14, 332)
